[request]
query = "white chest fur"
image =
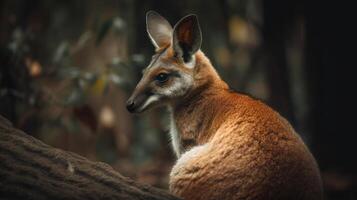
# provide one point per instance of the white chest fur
(175, 136)
(182, 165)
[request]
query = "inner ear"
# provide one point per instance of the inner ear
(187, 37)
(159, 29)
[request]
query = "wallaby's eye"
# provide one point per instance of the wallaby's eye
(162, 77)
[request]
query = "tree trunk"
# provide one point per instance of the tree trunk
(278, 20)
(30, 169)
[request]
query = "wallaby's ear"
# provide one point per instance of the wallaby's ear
(159, 29)
(187, 37)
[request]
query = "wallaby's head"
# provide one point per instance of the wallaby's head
(171, 72)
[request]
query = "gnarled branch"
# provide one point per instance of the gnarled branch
(30, 169)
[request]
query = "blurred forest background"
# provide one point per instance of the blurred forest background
(67, 68)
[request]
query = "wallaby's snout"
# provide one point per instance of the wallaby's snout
(138, 101)
(130, 105)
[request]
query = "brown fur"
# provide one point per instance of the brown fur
(229, 146)
(253, 153)
(183, 32)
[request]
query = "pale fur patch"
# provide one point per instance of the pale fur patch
(192, 154)
(175, 136)
(149, 101)
(179, 88)
(192, 63)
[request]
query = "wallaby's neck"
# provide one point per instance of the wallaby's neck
(196, 114)
(206, 81)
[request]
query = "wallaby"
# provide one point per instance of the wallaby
(228, 145)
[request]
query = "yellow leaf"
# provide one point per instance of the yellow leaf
(98, 87)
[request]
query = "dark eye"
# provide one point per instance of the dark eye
(162, 77)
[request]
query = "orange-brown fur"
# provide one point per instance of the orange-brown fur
(251, 151)
(229, 146)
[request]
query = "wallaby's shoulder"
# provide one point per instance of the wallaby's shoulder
(245, 106)
(243, 116)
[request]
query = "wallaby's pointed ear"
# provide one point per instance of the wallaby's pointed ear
(159, 29)
(187, 37)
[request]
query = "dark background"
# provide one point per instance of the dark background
(67, 68)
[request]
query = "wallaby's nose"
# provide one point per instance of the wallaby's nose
(130, 105)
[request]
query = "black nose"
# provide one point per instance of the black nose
(130, 105)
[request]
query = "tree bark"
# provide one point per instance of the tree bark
(30, 169)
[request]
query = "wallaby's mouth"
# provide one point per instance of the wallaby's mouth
(135, 103)
(142, 102)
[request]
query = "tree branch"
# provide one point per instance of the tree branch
(30, 169)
